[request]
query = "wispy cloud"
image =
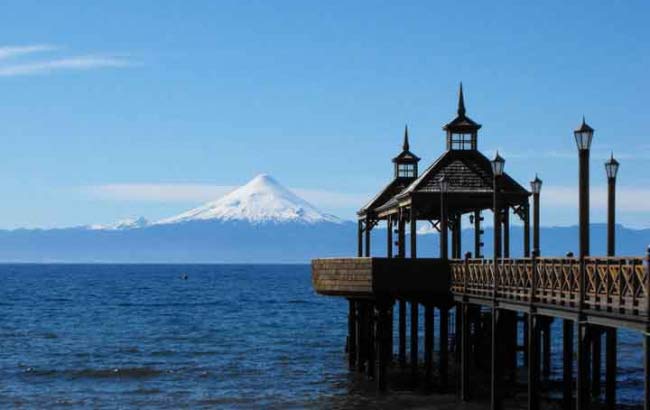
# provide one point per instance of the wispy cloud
(34, 63)
(16, 51)
(70, 63)
(199, 193)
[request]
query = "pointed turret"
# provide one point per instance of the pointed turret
(406, 163)
(405, 146)
(462, 131)
(461, 101)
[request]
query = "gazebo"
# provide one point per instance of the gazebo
(461, 181)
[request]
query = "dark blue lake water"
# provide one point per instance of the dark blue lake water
(230, 336)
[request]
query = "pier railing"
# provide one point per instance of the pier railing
(616, 284)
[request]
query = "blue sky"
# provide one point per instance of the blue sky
(121, 109)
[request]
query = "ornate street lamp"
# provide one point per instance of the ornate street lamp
(444, 187)
(611, 168)
(536, 188)
(583, 136)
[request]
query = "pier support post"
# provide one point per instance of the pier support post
(610, 369)
(533, 361)
(465, 350)
(596, 362)
(443, 360)
(496, 365)
(457, 332)
(525, 334)
(414, 341)
(428, 340)
(646, 366)
(362, 333)
(547, 347)
(402, 332)
(372, 333)
(567, 364)
(582, 376)
(382, 313)
(352, 334)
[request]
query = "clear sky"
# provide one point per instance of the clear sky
(127, 108)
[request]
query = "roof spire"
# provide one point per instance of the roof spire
(405, 147)
(461, 101)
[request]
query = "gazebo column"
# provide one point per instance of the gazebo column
(360, 238)
(389, 236)
(413, 226)
(456, 237)
(368, 228)
(506, 231)
(526, 220)
(477, 234)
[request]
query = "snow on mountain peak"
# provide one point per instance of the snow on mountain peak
(129, 223)
(261, 200)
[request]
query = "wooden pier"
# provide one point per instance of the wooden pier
(491, 301)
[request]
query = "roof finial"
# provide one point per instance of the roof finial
(405, 147)
(461, 101)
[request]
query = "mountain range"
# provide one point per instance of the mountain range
(260, 222)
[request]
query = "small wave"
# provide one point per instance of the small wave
(115, 373)
(143, 390)
(124, 373)
(128, 349)
(171, 304)
(163, 353)
(299, 302)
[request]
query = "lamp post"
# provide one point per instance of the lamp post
(444, 187)
(583, 136)
(611, 168)
(498, 164)
(536, 188)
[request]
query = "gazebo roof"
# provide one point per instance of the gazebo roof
(468, 172)
(393, 188)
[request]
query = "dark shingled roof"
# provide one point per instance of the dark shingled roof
(468, 171)
(393, 188)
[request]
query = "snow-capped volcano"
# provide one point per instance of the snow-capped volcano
(261, 200)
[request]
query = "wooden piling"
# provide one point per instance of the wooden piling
(443, 361)
(546, 348)
(496, 365)
(567, 364)
(465, 348)
(596, 363)
(352, 338)
(582, 376)
(414, 341)
(428, 340)
(610, 368)
(382, 313)
(402, 332)
(533, 361)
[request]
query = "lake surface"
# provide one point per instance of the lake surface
(230, 336)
